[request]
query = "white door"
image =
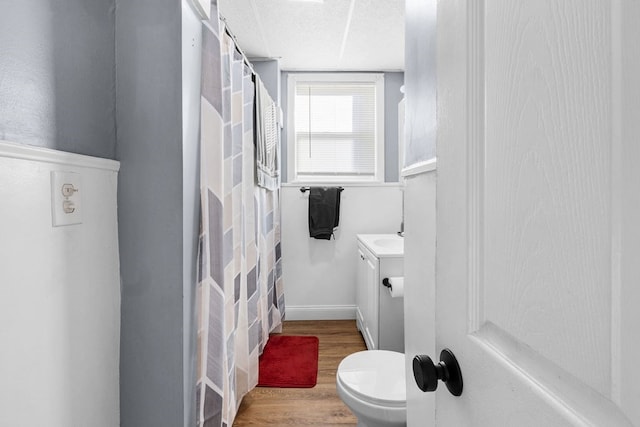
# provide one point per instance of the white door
(538, 211)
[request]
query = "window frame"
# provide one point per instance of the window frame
(375, 78)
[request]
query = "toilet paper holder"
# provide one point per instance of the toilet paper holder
(395, 286)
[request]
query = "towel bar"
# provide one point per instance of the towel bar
(304, 189)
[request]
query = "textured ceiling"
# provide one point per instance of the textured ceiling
(363, 35)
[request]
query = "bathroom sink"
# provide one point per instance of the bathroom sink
(390, 243)
(383, 245)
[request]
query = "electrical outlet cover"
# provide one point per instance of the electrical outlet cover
(58, 200)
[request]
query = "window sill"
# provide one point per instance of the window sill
(341, 184)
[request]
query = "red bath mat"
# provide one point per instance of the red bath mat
(289, 361)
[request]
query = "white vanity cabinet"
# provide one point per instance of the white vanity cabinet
(379, 317)
(367, 297)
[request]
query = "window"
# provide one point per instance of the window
(336, 127)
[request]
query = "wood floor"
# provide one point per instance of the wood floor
(317, 406)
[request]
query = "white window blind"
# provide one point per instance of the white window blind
(336, 130)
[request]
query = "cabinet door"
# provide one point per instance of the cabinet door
(371, 328)
(361, 291)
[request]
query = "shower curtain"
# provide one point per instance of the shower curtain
(240, 292)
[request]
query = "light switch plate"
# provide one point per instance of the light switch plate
(66, 198)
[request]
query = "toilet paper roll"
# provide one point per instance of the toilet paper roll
(396, 288)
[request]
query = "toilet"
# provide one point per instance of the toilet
(372, 384)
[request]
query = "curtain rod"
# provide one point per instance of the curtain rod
(237, 45)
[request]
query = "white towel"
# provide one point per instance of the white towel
(267, 146)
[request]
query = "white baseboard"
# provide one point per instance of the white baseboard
(320, 312)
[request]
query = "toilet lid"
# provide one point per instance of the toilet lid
(376, 376)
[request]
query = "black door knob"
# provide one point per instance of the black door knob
(427, 374)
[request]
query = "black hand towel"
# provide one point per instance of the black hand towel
(324, 211)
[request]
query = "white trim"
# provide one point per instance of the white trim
(202, 8)
(419, 168)
(291, 132)
(402, 108)
(378, 79)
(294, 70)
(475, 166)
(617, 187)
(337, 77)
(348, 184)
(47, 155)
(320, 312)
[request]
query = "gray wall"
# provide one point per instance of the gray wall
(269, 72)
(59, 63)
(392, 96)
(420, 83)
(150, 211)
(57, 75)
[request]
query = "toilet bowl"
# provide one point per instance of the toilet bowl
(372, 384)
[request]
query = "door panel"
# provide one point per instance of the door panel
(546, 237)
(530, 214)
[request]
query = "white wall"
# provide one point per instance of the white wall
(419, 287)
(59, 294)
(191, 71)
(420, 199)
(320, 275)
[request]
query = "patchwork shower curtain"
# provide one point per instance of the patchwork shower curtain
(240, 293)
